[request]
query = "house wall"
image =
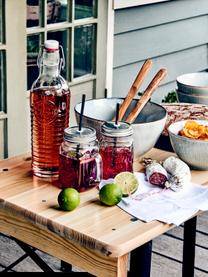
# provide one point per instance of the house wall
(173, 34)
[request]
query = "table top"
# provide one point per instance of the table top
(109, 230)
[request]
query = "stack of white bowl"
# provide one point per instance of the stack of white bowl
(193, 88)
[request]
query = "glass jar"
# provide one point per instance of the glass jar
(116, 148)
(80, 164)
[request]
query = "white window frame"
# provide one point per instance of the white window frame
(120, 4)
(15, 47)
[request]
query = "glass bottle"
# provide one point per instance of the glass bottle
(80, 164)
(116, 148)
(49, 105)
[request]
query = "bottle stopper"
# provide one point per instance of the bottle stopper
(51, 44)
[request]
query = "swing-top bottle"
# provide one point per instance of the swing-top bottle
(49, 105)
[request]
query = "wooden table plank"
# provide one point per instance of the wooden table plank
(65, 249)
(106, 230)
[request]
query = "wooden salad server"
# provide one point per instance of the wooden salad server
(146, 95)
(134, 88)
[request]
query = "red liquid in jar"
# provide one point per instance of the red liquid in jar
(49, 118)
(79, 173)
(116, 160)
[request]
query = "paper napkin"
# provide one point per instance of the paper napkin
(150, 202)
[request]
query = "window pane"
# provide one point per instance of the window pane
(33, 44)
(1, 14)
(2, 139)
(84, 50)
(33, 12)
(2, 82)
(62, 36)
(57, 11)
(84, 8)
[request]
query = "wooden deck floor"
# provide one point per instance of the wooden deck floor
(162, 246)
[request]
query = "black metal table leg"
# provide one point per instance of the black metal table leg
(189, 247)
(30, 252)
(65, 267)
(140, 261)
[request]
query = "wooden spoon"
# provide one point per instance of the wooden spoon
(146, 95)
(134, 88)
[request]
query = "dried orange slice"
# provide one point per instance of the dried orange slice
(194, 130)
(190, 133)
(191, 124)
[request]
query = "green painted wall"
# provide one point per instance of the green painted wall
(173, 34)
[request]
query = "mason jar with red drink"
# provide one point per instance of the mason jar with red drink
(116, 148)
(80, 164)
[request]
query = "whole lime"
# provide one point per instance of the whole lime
(68, 199)
(110, 194)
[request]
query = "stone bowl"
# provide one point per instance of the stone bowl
(191, 151)
(147, 127)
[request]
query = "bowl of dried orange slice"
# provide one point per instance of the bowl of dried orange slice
(189, 139)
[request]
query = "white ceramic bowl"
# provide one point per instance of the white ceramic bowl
(193, 83)
(193, 152)
(147, 127)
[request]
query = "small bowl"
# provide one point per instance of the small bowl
(147, 127)
(185, 97)
(193, 83)
(191, 151)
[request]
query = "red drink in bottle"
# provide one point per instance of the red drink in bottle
(49, 114)
(49, 105)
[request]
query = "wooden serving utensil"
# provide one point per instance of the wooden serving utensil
(134, 88)
(146, 95)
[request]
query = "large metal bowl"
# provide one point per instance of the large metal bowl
(147, 127)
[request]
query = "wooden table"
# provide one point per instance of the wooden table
(93, 237)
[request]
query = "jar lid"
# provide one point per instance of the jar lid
(110, 129)
(86, 135)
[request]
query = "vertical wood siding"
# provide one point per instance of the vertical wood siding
(173, 34)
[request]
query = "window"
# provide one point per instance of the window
(85, 8)
(73, 24)
(1, 21)
(80, 26)
(84, 49)
(3, 115)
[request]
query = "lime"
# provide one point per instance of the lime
(68, 199)
(127, 181)
(110, 194)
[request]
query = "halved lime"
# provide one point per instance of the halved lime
(127, 181)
